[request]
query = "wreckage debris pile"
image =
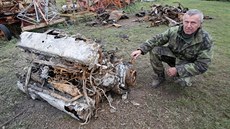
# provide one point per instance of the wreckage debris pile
(94, 5)
(10, 7)
(107, 11)
(72, 74)
(159, 14)
(108, 17)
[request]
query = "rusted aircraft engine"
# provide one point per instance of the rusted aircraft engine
(72, 74)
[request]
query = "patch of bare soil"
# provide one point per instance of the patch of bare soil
(131, 21)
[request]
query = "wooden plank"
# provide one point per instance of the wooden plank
(31, 27)
(79, 15)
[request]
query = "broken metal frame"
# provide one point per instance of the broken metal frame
(39, 13)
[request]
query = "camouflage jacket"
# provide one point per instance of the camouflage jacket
(193, 56)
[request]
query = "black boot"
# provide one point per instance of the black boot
(160, 79)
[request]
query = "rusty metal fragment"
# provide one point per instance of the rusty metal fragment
(73, 73)
(159, 14)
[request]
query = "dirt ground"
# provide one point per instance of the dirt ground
(145, 106)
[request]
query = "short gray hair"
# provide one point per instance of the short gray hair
(195, 12)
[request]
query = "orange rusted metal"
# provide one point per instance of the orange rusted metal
(9, 10)
(95, 5)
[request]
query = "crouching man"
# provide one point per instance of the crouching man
(187, 49)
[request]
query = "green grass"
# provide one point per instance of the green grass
(206, 105)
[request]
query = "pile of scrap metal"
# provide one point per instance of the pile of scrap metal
(106, 10)
(11, 7)
(26, 15)
(94, 5)
(108, 17)
(8, 16)
(39, 13)
(73, 74)
(158, 15)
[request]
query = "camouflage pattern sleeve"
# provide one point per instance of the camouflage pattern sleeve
(157, 40)
(202, 62)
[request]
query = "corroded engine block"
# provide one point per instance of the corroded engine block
(72, 74)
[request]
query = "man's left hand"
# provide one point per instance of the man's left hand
(171, 71)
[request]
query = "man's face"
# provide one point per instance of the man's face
(191, 23)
